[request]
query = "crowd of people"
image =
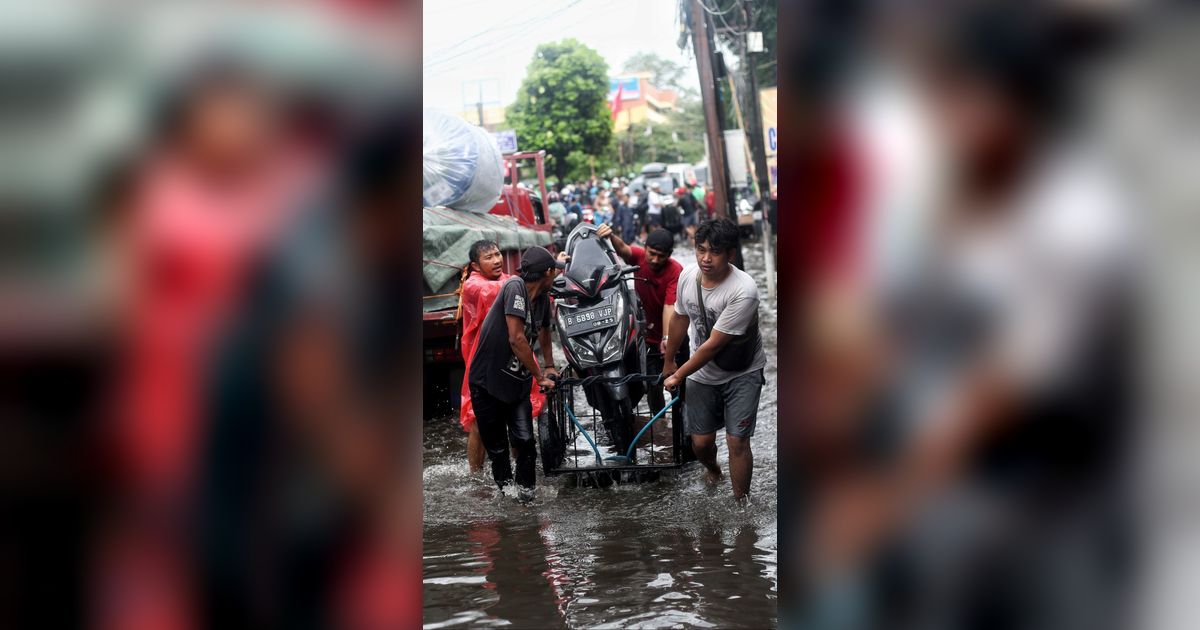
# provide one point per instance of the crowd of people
(712, 305)
(634, 210)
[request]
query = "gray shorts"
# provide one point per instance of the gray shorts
(733, 405)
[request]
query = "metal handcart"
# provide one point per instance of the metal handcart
(573, 438)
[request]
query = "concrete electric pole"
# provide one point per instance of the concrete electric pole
(717, 166)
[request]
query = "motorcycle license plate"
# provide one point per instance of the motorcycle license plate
(581, 322)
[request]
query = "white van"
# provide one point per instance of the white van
(683, 172)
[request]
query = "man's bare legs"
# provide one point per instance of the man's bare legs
(741, 464)
(476, 453)
(705, 448)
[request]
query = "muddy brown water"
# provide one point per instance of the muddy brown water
(666, 554)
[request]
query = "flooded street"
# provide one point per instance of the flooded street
(671, 553)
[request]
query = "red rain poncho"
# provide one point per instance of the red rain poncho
(478, 294)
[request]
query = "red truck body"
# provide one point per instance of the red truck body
(440, 328)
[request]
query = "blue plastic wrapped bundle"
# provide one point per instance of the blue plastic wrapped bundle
(462, 167)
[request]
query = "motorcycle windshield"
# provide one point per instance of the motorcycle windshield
(589, 259)
(589, 253)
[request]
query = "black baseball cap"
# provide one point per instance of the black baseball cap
(660, 239)
(536, 261)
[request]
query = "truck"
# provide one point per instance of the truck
(518, 220)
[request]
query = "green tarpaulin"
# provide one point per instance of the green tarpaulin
(446, 240)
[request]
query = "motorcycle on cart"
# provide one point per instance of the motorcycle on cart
(597, 421)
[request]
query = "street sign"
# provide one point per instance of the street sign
(630, 88)
(754, 42)
(506, 140)
(768, 105)
(735, 155)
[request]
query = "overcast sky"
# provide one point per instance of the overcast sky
(470, 40)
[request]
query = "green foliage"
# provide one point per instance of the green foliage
(562, 105)
(680, 139)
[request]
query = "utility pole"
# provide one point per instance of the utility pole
(753, 126)
(717, 166)
(753, 122)
(479, 104)
(476, 100)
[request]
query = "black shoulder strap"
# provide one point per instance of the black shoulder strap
(700, 298)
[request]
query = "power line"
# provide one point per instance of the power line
(728, 27)
(484, 49)
(503, 40)
(714, 11)
(503, 26)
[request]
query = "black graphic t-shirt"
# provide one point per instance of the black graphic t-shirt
(494, 367)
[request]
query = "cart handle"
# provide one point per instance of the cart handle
(615, 380)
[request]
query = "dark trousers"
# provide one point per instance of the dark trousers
(501, 424)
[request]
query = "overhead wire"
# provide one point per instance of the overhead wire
(502, 40)
(714, 11)
(484, 49)
(506, 34)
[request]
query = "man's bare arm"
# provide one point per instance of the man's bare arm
(668, 317)
(520, 345)
(675, 334)
(704, 354)
(547, 348)
(622, 249)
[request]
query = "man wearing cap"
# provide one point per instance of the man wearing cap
(503, 368)
(656, 281)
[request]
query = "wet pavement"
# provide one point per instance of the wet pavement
(665, 554)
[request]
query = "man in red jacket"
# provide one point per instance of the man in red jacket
(479, 291)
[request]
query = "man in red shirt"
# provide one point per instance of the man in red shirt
(656, 282)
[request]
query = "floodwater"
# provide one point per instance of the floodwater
(672, 553)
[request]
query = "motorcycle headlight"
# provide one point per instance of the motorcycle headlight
(577, 349)
(616, 343)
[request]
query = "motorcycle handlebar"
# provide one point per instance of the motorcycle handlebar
(611, 380)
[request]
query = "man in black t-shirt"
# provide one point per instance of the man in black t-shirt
(503, 367)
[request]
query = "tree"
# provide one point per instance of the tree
(664, 73)
(680, 139)
(562, 105)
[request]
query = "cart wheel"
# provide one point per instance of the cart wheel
(550, 442)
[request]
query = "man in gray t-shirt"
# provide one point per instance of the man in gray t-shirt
(717, 307)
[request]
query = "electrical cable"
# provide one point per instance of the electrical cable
(713, 11)
(443, 53)
(504, 39)
(488, 48)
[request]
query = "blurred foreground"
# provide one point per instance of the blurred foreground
(202, 210)
(993, 417)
